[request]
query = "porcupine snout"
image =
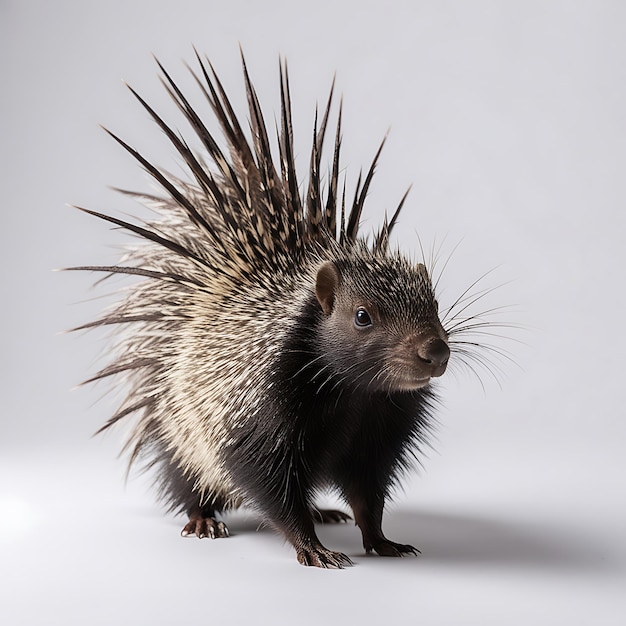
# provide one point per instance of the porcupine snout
(434, 352)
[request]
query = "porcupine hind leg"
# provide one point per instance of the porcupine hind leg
(202, 523)
(177, 489)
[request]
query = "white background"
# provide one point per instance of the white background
(509, 120)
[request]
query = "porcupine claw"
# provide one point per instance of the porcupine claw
(321, 557)
(205, 527)
(390, 548)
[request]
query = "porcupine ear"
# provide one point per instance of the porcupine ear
(326, 286)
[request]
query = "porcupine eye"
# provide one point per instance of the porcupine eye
(362, 318)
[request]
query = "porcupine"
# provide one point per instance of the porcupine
(269, 351)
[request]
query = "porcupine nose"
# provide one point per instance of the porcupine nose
(435, 352)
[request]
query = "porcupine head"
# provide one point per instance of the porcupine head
(381, 327)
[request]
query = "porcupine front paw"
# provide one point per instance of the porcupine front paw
(321, 557)
(384, 547)
(329, 516)
(204, 527)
